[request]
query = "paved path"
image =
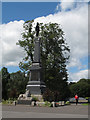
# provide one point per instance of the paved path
(0, 111)
(23, 111)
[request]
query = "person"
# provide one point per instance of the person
(15, 103)
(76, 98)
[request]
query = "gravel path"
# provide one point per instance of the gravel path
(26, 111)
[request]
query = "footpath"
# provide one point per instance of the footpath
(26, 111)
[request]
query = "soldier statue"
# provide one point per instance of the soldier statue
(37, 29)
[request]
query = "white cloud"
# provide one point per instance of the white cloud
(65, 5)
(74, 77)
(69, 4)
(89, 29)
(11, 33)
(0, 49)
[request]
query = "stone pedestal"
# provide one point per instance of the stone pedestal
(35, 88)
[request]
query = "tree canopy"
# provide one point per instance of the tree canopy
(13, 84)
(81, 88)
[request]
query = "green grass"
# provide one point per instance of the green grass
(87, 97)
(85, 103)
(47, 104)
(6, 102)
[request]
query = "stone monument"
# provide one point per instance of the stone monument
(36, 86)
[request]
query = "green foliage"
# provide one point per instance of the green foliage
(48, 95)
(13, 84)
(67, 103)
(81, 88)
(54, 55)
(5, 79)
(17, 84)
(87, 98)
(5, 102)
(47, 104)
(27, 43)
(0, 86)
(9, 101)
(86, 104)
(34, 98)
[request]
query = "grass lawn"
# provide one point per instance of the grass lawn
(85, 103)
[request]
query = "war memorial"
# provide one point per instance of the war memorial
(35, 86)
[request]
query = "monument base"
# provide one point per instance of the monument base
(24, 102)
(35, 88)
(38, 97)
(28, 100)
(34, 91)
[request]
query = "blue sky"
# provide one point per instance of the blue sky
(26, 11)
(73, 18)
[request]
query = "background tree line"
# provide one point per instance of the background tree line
(14, 84)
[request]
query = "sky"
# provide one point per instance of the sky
(73, 17)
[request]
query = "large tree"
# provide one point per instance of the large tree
(5, 78)
(0, 86)
(54, 54)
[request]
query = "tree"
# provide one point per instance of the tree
(13, 84)
(81, 88)
(0, 86)
(17, 84)
(5, 78)
(54, 54)
(48, 95)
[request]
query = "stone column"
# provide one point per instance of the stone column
(37, 51)
(36, 85)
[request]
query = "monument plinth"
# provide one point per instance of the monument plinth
(36, 86)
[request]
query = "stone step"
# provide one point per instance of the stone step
(24, 102)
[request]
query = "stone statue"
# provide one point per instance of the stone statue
(37, 29)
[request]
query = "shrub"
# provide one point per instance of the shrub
(48, 95)
(48, 104)
(67, 103)
(34, 98)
